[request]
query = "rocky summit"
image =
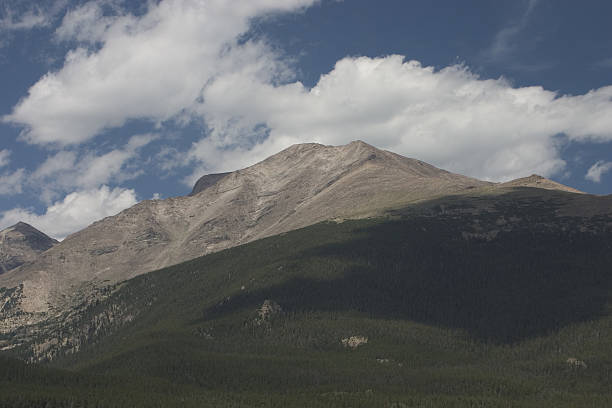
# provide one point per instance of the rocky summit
(300, 186)
(21, 243)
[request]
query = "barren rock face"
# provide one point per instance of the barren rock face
(21, 243)
(297, 187)
(206, 181)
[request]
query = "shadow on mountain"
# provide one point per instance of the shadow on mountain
(527, 279)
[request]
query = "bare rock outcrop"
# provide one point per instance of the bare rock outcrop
(268, 309)
(573, 362)
(354, 342)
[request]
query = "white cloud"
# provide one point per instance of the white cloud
(86, 23)
(76, 211)
(66, 170)
(168, 158)
(150, 67)
(181, 60)
(5, 155)
(95, 170)
(26, 21)
(60, 162)
(101, 169)
(450, 117)
(12, 183)
(26, 14)
(597, 170)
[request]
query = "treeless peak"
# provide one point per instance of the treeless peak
(538, 181)
(21, 243)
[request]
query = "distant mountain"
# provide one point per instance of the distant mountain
(300, 186)
(539, 182)
(21, 243)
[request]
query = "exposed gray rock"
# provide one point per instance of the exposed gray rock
(21, 243)
(206, 181)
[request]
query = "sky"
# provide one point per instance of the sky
(105, 103)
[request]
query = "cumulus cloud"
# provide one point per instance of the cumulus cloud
(67, 170)
(597, 170)
(450, 117)
(149, 67)
(76, 211)
(183, 60)
(5, 155)
(86, 23)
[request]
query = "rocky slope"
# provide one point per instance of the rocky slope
(297, 187)
(539, 182)
(21, 243)
(206, 181)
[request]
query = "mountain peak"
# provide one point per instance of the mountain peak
(23, 229)
(362, 144)
(292, 154)
(26, 228)
(314, 147)
(537, 181)
(21, 243)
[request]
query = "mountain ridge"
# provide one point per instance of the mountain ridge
(537, 181)
(299, 186)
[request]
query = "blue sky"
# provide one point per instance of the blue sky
(108, 102)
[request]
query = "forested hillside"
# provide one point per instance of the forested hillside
(481, 301)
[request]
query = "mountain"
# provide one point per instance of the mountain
(539, 182)
(330, 276)
(492, 297)
(21, 243)
(297, 187)
(300, 186)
